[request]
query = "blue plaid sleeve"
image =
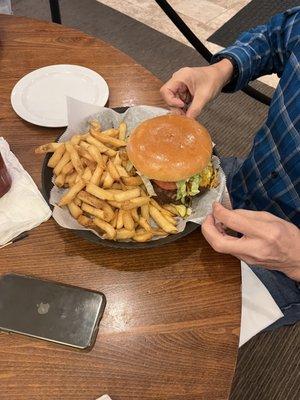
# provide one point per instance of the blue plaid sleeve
(264, 49)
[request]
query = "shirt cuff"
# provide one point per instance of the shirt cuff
(243, 61)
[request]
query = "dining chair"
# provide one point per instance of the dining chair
(55, 11)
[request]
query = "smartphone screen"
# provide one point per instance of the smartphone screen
(51, 311)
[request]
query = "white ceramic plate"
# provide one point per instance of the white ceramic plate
(40, 96)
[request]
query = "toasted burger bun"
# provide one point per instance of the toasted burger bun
(169, 148)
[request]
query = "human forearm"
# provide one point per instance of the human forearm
(264, 49)
(224, 71)
(293, 259)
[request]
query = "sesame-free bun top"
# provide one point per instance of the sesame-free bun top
(169, 148)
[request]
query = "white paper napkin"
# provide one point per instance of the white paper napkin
(104, 397)
(23, 207)
(259, 309)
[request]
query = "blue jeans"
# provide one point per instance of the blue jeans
(285, 291)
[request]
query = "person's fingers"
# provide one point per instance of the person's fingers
(196, 105)
(222, 242)
(170, 93)
(176, 111)
(184, 95)
(220, 228)
(257, 215)
(239, 222)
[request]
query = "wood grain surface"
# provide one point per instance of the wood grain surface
(170, 328)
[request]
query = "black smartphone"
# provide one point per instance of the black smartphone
(51, 311)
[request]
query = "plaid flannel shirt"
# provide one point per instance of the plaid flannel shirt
(269, 178)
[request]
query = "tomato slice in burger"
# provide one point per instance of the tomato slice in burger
(166, 185)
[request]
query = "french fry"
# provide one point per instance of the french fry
(113, 222)
(171, 209)
(106, 227)
(122, 171)
(102, 137)
(60, 180)
(95, 154)
(135, 215)
(83, 152)
(95, 124)
(116, 191)
(56, 156)
(123, 155)
(117, 160)
(128, 195)
(74, 210)
(132, 180)
(47, 148)
(89, 199)
(120, 221)
(144, 224)
(113, 170)
(123, 234)
(76, 139)
(71, 193)
(84, 144)
(92, 211)
(62, 162)
(122, 130)
(145, 212)
(111, 132)
(140, 231)
(85, 221)
(100, 146)
(128, 221)
(78, 177)
(117, 186)
(105, 158)
(143, 237)
(108, 211)
(87, 174)
(99, 192)
(143, 192)
(95, 179)
(158, 232)
(108, 181)
(161, 220)
(135, 203)
(166, 212)
(68, 168)
(102, 179)
(156, 205)
(75, 158)
(110, 152)
(170, 219)
(97, 203)
(116, 204)
(88, 163)
(77, 201)
(71, 178)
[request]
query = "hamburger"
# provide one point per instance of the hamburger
(174, 152)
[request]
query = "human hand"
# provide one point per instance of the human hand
(193, 88)
(267, 240)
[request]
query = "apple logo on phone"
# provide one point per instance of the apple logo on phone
(43, 308)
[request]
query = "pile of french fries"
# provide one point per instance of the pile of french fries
(105, 193)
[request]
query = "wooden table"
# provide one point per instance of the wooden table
(170, 328)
